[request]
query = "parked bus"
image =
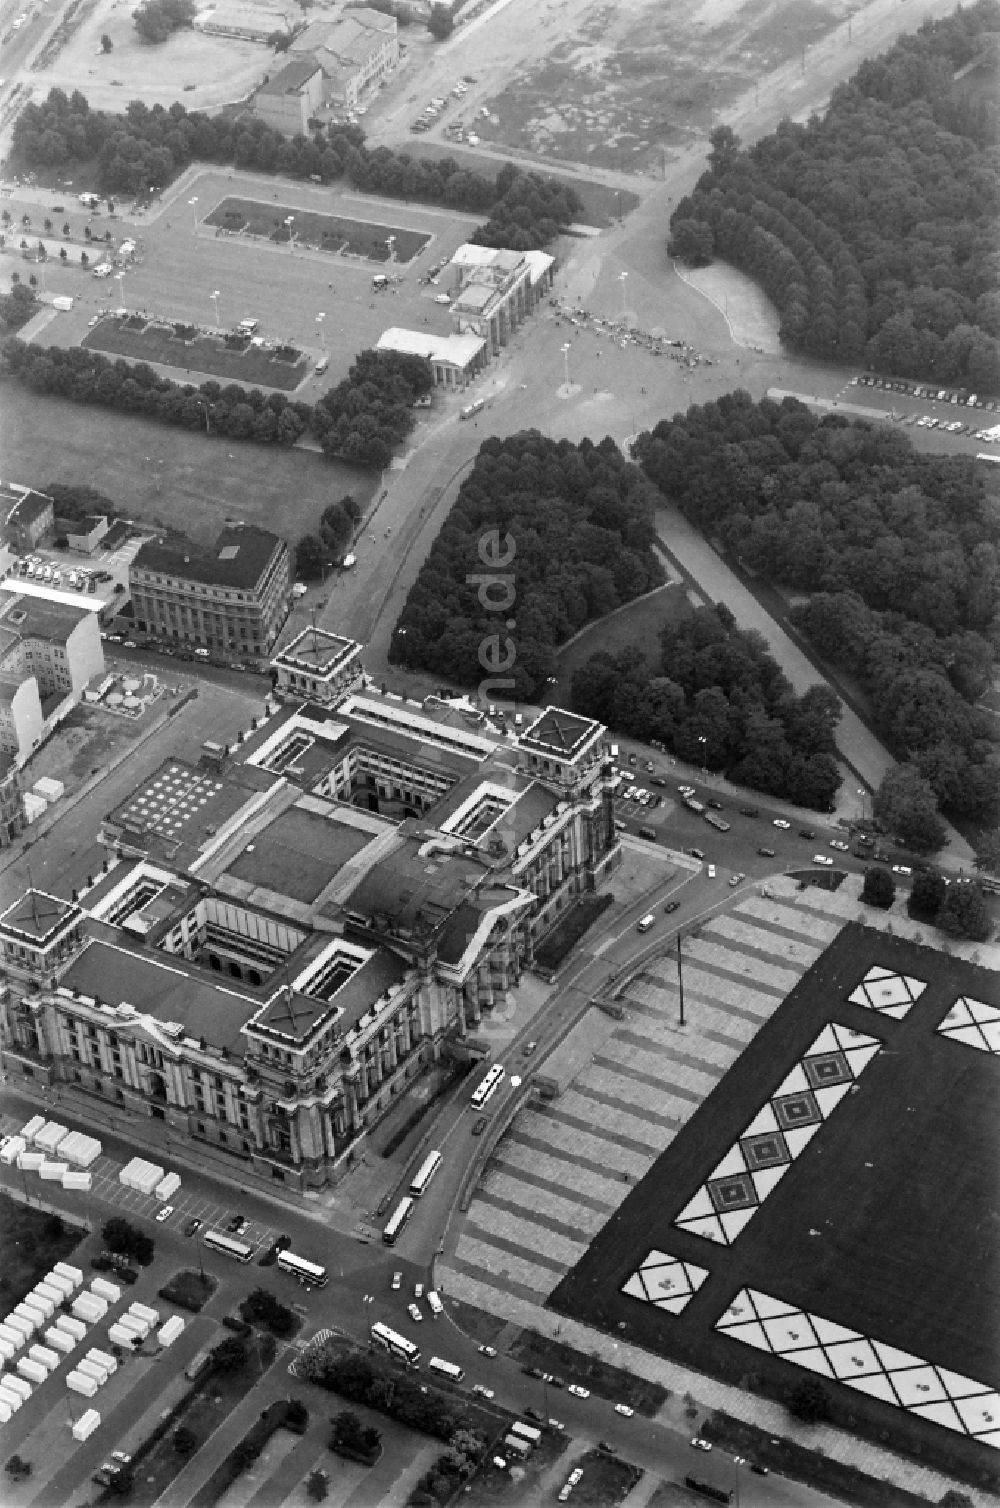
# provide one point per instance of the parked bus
(446, 1369)
(473, 408)
(227, 1245)
(400, 1215)
(306, 1272)
(527, 1432)
(396, 1345)
(425, 1173)
(488, 1087)
(714, 820)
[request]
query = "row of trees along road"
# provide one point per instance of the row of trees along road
(574, 521)
(362, 420)
(899, 553)
(150, 145)
(873, 228)
(718, 699)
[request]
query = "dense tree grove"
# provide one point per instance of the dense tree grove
(362, 420)
(149, 145)
(872, 229)
(362, 1380)
(365, 417)
(156, 20)
(899, 552)
(17, 307)
(544, 536)
(718, 699)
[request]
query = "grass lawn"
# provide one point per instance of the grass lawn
(205, 356)
(604, 1380)
(190, 1289)
(176, 478)
(333, 233)
(605, 1481)
(635, 628)
(31, 1242)
(885, 1224)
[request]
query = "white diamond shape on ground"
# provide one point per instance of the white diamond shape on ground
(892, 1359)
(750, 1335)
(851, 1358)
(876, 1385)
(858, 1058)
(979, 1415)
(916, 987)
(830, 1097)
(635, 1288)
(918, 1385)
(796, 1139)
(991, 1032)
(939, 1413)
(959, 1386)
(848, 1037)
(695, 1275)
(765, 1180)
(879, 973)
(980, 1012)
(825, 1042)
(733, 1222)
(673, 1306)
(789, 1334)
(815, 1360)
(959, 1015)
(697, 1208)
(991, 1439)
(888, 992)
(766, 1306)
(737, 1313)
(860, 997)
(655, 1258)
(795, 1083)
(969, 1036)
(763, 1122)
(733, 1162)
(830, 1332)
(708, 1227)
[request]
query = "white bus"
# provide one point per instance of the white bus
(425, 1173)
(396, 1345)
(306, 1272)
(527, 1432)
(227, 1245)
(400, 1215)
(488, 1087)
(445, 1369)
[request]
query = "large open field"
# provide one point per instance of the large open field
(161, 474)
(885, 1224)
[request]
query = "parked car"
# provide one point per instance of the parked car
(624, 1410)
(699, 1444)
(237, 1224)
(766, 853)
(397, 1281)
(839, 845)
(671, 907)
(780, 822)
(482, 1390)
(418, 1290)
(480, 1126)
(414, 1313)
(578, 1391)
(164, 1213)
(557, 1425)
(824, 859)
(192, 1227)
(806, 832)
(487, 1350)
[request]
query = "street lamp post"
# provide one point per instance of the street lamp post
(566, 351)
(702, 739)
(214, 296)
(862, 793)
(368, 1299)
(194, 212)
(289, 222)
(622, 277)
(680, 979)
(319, 327)
(390, 242)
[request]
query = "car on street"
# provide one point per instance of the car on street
(806, 832)
(487, 1350)
(780, 822)
(699, 1444)
(418, 1290)
(711, 871)
(575, 1476)
(624, 1410)
(735, 880)
(840, 845)
(766, 853)
(696, 853)
(480, 1126)
(578, 1391)
(397, 1281)
(557, 1425)
(901, 869)
(715, 805)
(606, 1449)
(414, 1313)
(529, 1048)
(482, 1390)
(761, 1471)
(824, 859)
(164, 1213)
(192, 1227)
(671, 907)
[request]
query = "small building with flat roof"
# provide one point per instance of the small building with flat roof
(455, 359)
(317, 666)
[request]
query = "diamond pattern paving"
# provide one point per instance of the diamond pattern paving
(886, 991)
(870, 1366)
(975, 1024)
(759, 1159)
(666, 1281)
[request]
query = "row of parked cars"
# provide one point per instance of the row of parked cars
(50, 573)
(921, 390)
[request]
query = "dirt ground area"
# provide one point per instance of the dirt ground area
(620, 85)
(89, 740)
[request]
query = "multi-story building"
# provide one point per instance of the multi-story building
(279, 947)
(27, 517)
(50, 649)
(293, 96)
(497, 291)
(12, 814)
(230, 599)
(357, 50)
